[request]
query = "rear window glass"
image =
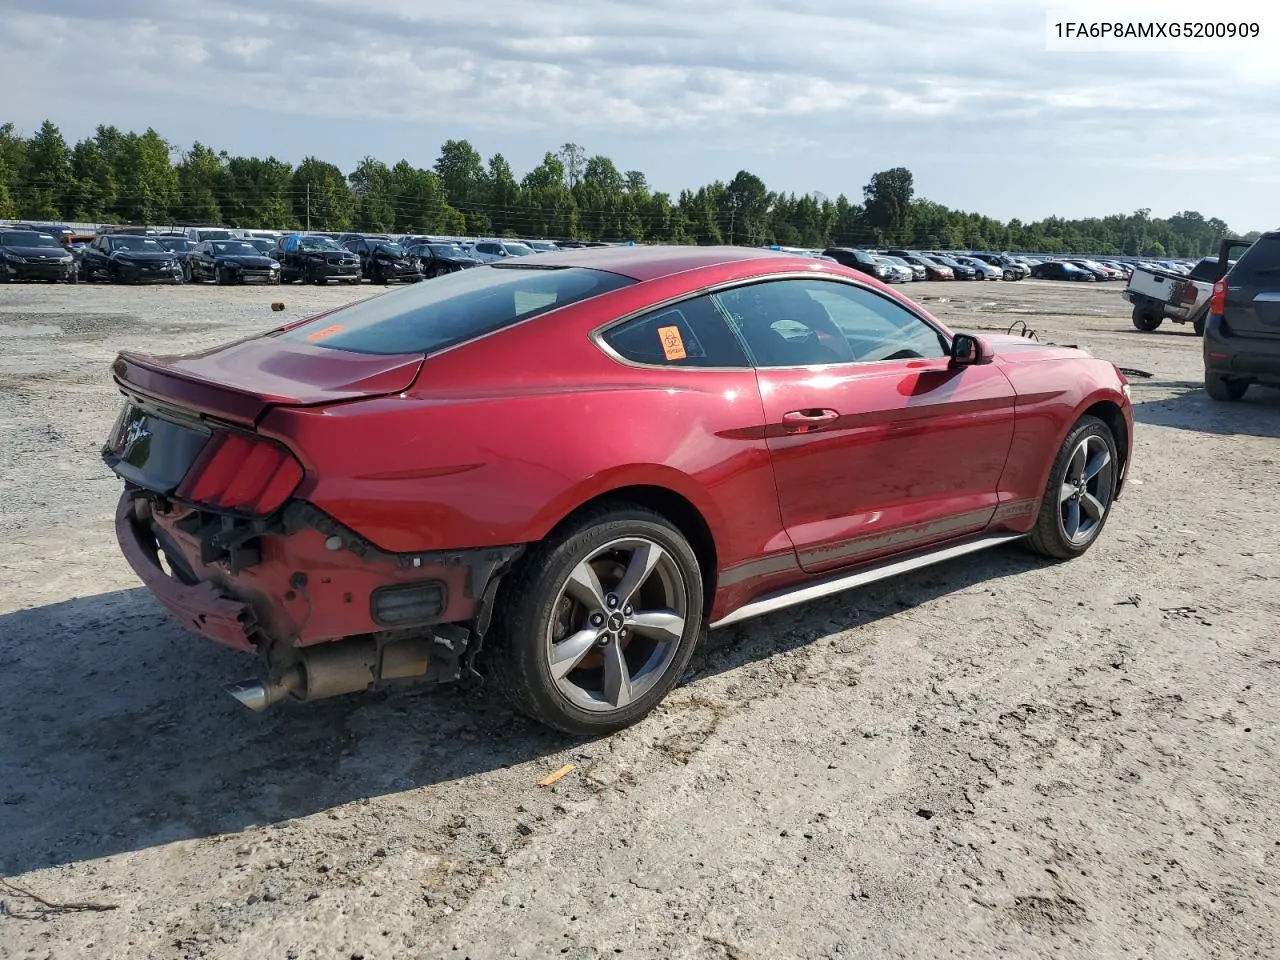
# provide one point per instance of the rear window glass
(1259, 263)
(452, 309)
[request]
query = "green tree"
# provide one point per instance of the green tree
(45, 186)
(888, 204)
(322, 199)
(202, 180)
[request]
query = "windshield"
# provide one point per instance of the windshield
(320, 243)
(394, 249)
(235, 248)
(453, 309)
(446, 250)
(176, 243)
(24, 238)
(518, 249)
(140, 244)
(215, 234)
(262, 245)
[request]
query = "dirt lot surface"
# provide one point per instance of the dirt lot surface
(995, 757)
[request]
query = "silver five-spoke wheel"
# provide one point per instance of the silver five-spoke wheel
(1087, 488)
(595, 624)
(1082, 484)
(617, 624)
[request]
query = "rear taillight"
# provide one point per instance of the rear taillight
(1218, 301)
(1188, 293)
(241, 472)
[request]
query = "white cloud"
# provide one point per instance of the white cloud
(748, 78)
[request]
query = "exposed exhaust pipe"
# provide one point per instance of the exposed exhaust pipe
(332, 669)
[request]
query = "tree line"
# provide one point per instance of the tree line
(126, 177)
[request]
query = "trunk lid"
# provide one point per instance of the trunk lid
(240, 381)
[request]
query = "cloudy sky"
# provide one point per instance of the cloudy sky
(811, 95)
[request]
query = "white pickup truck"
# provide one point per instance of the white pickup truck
(1158, 295)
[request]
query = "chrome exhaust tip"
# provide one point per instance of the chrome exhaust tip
(257, 695)
(252, 693)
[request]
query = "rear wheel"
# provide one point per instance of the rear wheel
(1078, 497)
(1145, 320)
(1223, 389)
(596, 625)
(1198, 324)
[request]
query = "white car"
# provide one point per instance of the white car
(898, 272)
(487, 251)
(985, 270)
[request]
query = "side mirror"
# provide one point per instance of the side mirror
(969, 351)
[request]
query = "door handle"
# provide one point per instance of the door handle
(806, 421)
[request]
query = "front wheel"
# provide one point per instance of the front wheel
(1078, 497)
(1222, 389)
(598, 623)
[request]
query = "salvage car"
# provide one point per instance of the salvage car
(1060, 270)
(396, 488)
(231, 261)
(27, 255)
(181, 248)
(125, 258)
(315, 259)
(382, 261)
(438, 258)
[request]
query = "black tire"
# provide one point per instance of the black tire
(1144, 320)
(532, 604)
(220, 276)
(186, 273)
(1050, 536)
(1221, 389)
(1198, 324)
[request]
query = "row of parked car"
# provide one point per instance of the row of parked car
(126, 254)
(225, 256)
(904, 266)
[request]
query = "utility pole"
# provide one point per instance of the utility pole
(308, 208)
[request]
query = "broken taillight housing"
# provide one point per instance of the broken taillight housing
(241, 472)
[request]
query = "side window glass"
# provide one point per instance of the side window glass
(692, 333)
(813, 322)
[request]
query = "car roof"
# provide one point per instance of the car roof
(655, 262)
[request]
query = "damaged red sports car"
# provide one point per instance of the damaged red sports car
(558, 472)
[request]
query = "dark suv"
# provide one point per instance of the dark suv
(1242, 332)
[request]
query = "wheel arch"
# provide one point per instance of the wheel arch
(1109, 412)
(683, 513)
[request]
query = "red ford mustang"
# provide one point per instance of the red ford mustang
(582, 460)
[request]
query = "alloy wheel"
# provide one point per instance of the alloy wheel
(1088, 485)
(616, 624)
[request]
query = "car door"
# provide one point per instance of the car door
(879, 444)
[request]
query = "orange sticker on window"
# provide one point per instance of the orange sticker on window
(672, 343)
(328, 331)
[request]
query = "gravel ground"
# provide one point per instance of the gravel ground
(995, 757)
